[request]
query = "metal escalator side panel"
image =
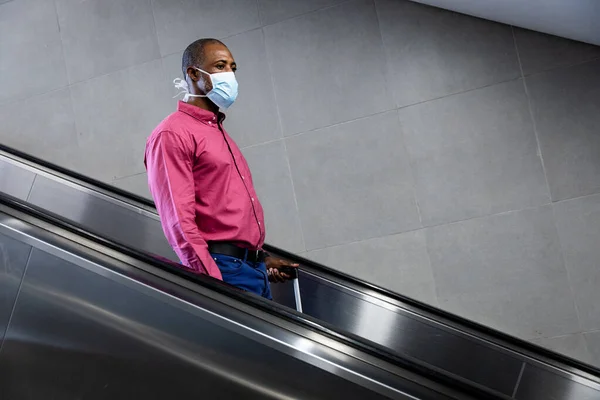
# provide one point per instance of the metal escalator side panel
(543, 383)
(410, 336)
(13, 259)
(15, 180)
(82, 329)
(408, 329)
(73, 328)
(125, 224)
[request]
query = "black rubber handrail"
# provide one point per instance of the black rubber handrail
(254, 301)
(511, 342)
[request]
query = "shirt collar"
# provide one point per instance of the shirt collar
(199, 113)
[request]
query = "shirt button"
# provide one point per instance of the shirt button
(243, 178)
(253, 199)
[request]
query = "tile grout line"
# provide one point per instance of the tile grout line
(531, 115)
(489, 215)
(62, 45)
(271, 141)
(554, 69)
(280, 122)
(580, 332)
(586, 346)
(262, 24)
(126, 177)
(460, 92)
(539, 149)
(568, 335)
(401, 132)
(297, 134)
(22, 99)
(287, 159)
(70, 85)
(436, 226)
(569, 279)
(246, 31)
(293, 135)
(396, 109)
(576, 198)
(554, 223)
(500, 212)
(341, 2)
(384, 47)
(160, 56)
(155, 30)
(411, 174)
(596, 330)
(258, 11)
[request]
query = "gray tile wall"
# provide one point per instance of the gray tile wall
(450, 159)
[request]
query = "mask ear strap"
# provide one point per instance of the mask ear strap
(203, 71)
(181, 84)
(185, 89)
(188, 95)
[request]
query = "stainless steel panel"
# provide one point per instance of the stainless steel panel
(286, 337)
(283, 293)
(13, 258)
(542, 384)
(356, 310)
(14, 180)
(76, 334)
(106, 217)
(410, 337)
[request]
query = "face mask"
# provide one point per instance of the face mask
(224, 89)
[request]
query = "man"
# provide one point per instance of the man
(201, 183)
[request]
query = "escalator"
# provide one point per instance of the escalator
(86, 321)
(79, 314)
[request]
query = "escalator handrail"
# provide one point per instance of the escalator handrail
(272, 308)
(456, 321)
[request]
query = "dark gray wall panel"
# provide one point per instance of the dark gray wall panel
(566, 107)
(539, 52)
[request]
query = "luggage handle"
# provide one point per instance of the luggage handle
(293, 272)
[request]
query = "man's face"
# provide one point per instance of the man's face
(217, 58)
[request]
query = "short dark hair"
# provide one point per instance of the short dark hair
(194, 53)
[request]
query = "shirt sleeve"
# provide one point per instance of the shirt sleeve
(169, 161)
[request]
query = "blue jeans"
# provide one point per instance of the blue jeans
(249, 276)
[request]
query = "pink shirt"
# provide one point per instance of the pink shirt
(202, 187)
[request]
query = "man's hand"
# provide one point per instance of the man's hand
(276, 269)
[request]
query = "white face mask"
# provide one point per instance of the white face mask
(223, 93)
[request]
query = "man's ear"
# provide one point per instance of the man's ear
(193, 74)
